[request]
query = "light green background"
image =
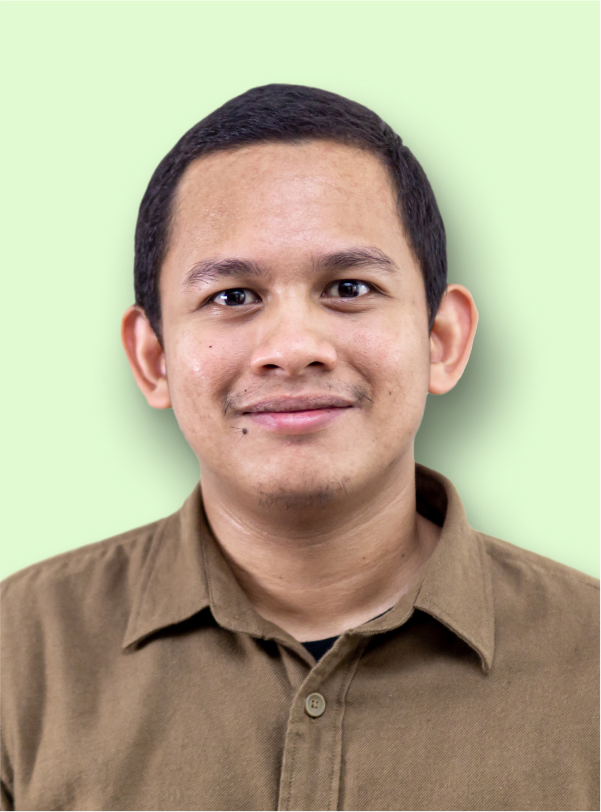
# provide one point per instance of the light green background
(498, 100)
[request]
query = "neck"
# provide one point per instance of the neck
(318, 574)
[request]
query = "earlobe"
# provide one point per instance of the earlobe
(451, 338)
(146, 357)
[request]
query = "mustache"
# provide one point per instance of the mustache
(356, 392)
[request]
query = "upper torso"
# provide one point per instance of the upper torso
(136, 676)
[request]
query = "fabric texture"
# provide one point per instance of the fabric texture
(136, 675)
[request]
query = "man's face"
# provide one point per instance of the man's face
(295, 324)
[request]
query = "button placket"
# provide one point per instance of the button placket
(313, 747)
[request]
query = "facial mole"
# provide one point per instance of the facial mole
(244, 431)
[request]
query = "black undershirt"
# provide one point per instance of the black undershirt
(319, 647)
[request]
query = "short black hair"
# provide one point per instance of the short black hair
(293, 114)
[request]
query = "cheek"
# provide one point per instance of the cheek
(200, 372)
(395, 359)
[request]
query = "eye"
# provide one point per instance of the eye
(347, 289)
(235, 296)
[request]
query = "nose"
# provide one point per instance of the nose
(291, 342)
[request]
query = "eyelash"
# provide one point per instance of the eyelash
(370, 288)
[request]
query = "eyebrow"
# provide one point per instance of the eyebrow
(355, 258)
(207, 270)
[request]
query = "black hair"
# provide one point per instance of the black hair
(294, 114)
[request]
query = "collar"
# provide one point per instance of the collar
(457, 585)
(185, 572)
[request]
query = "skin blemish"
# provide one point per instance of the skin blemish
(244, 431)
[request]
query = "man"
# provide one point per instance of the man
(318, 627)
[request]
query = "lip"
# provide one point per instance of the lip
(297, 415)
(297, 403)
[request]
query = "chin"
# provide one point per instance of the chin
(284, 496)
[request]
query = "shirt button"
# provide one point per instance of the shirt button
(315, 705)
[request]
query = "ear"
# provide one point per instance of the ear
(451, 338)
(146, 357)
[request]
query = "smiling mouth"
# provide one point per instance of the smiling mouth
(297, 415)
(287, 405)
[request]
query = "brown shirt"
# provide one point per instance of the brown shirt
(137, 676)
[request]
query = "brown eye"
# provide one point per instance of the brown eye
(234, 297)
(348, 289)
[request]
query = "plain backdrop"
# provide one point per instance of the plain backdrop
(499, 102)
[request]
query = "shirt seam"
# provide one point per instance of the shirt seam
(547, 570)
(99, 548)
(290, 772)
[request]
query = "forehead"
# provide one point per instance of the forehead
(293, 194)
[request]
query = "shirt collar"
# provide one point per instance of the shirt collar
(185, 572)
(457, 586)
(454, 587)
(172, 586)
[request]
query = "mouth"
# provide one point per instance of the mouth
(305, 403)
(297, 415)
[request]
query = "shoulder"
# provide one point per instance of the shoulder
(524, 569)
(546, 606)
(124, 546)
(90, 581)
(66, 617)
